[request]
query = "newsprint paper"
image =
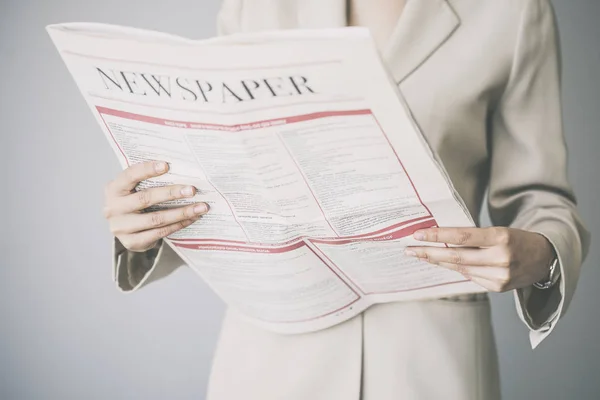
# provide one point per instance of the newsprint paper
(314, 170)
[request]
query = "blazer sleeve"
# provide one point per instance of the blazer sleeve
(133, 270)
(529, 188)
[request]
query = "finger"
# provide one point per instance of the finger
(453, 255)
(472, 271)
(138, 201)
(132, 223)
(143, 241)
(127, 180)
(486, 284)
(461, 269)
(497, 279)
(477, 275)
(473, 237)
(492, 286)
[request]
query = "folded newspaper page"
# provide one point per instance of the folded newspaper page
(314, 170)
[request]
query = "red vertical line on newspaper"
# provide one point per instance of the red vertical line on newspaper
(296, 246)
(403, 233)
(445, 244)
(307, 184)
(218, 191)
(112, 136)
(330, 263)
(402, 165)
(310, 247)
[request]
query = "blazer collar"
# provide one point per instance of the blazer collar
(421, 29)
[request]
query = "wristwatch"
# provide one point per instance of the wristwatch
(554, 275)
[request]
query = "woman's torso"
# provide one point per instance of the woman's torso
(451, 64)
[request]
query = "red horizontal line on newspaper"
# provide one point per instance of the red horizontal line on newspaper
(241, 248)
(386, 229)
(230, 128)
(362, 235)
(221, 242)
(401, 233)
(235, 128)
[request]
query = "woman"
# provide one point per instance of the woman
(482, 81)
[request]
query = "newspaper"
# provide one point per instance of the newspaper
(314, 170)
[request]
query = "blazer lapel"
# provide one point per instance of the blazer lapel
(422, 28)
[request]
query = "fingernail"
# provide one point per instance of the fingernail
(410, 253)
(187, 191)
(200, 208)
(160, 166)
(419, 235)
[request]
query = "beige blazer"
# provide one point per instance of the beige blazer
(481, 79)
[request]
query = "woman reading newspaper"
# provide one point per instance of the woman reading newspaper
(482, 81)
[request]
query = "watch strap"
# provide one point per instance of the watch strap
(553, 278)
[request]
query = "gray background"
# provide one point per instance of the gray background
(65, 331)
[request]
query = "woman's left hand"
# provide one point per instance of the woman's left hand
(497, 258)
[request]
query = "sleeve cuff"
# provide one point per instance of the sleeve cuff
(132, 270)
(540, 309)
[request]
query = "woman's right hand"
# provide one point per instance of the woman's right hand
(139, 231)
